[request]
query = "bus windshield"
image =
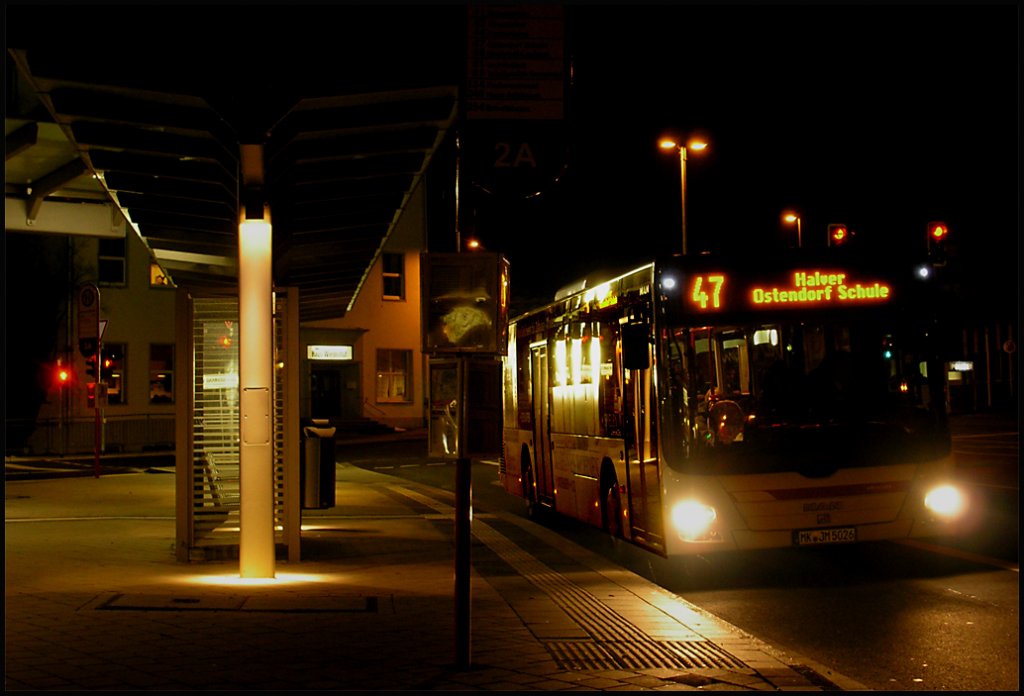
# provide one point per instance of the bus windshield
(796, 395)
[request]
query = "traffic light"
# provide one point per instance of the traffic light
(90, 368)
(96, 395)
(62, 375)
(887, 347)
(838, 235)
(938, 232)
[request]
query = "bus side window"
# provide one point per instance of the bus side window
(635, 347)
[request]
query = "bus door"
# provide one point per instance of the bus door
(644, 480)
(542, 474)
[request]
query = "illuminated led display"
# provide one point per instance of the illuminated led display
(816, 287)
(821, 287)
(707, 291)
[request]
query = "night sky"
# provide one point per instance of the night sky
(880, 118)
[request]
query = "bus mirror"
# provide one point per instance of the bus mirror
(636, 354)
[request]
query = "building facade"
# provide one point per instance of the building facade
(368, 367)
(136, 358)
(363, 372)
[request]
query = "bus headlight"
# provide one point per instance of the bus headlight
(693, 520)
(945, 501)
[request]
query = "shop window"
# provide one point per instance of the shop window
(161, 373)
(114, 372)
(110, 261)
(394, 376)
(394, 276)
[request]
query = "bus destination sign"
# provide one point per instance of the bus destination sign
(808, 288)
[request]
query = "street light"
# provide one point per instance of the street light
(791, 218)
(696, 145)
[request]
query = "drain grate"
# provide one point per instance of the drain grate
(292, 604)
(581, 655)
(703, 654)
(578, 656)
(615, 641)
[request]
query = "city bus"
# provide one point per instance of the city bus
(700, 403)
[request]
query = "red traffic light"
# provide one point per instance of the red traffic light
(62, 376)
(838, 235)
(937, 231)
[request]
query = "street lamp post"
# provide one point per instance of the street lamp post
(791, 218)
(695, 145)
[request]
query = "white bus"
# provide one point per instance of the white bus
(700, 404)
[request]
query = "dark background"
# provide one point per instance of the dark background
(878, 117)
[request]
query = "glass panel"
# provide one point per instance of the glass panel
(161, 373)
(393, 375)
(114, 371)
(215, 413)
(836, 393)
(110, 261)
(393, 270)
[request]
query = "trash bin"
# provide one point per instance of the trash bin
(316, 456)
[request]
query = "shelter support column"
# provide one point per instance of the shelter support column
(256, 378)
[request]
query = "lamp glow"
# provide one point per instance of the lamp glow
(255, 237)
(693, 519)
(945, 501)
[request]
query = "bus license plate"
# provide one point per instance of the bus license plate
(838, 535)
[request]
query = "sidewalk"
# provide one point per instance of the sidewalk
(95, 600)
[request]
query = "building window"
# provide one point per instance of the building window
(394, 375)
(394, 276)
(110, 262)
(158, 277)
(113, 371)
(161, 373)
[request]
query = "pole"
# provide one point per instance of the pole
(458, 231)
(463, 487)
(463, 521)
(256, 455)
(98, 428)
(799, 235)
(682, 191)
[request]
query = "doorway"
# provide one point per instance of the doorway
(334, 392)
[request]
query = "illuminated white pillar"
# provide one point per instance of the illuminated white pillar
(256, 451)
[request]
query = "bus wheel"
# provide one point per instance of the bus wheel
(611, 509)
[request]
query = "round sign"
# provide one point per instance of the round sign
(88, 296)
(1009, 346)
